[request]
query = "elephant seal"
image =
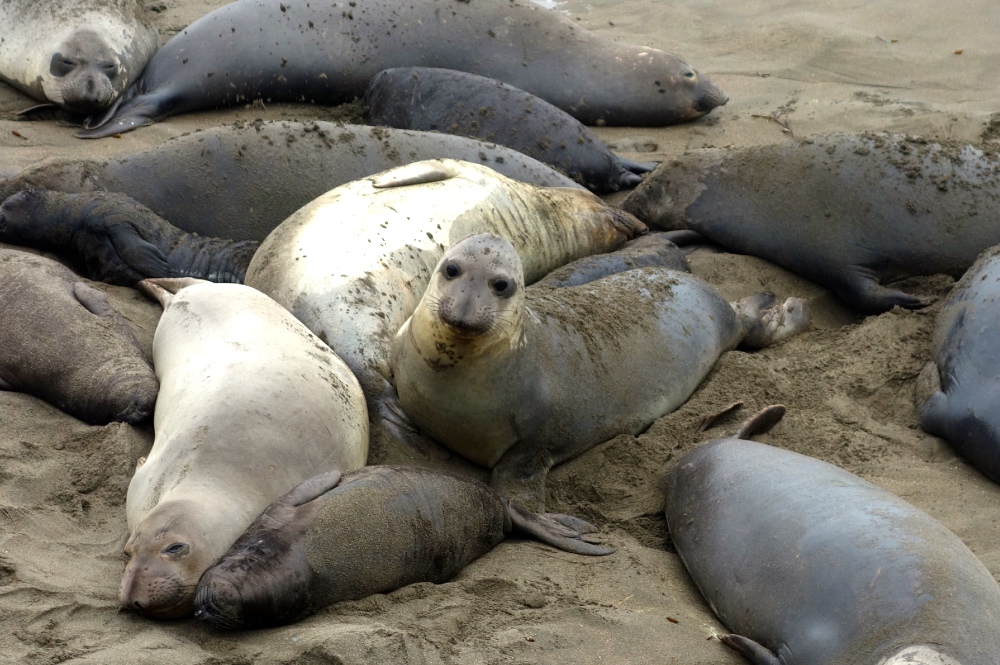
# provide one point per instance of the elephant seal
(353, 264)
(117, 239)
(808, 564)
(849, 212)
(443, 100)
(965, 372)
(241, 181)
(61, 341)
(78, 54)
(521, 380)
(654, 250)
(251, 404)
(317, 544)
(324, 52)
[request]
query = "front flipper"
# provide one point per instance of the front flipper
(562, 531)
(389, 413)
(638, 167)
(141, 256)
(137, 112)
(861, 291)
(417, 173)
(750, 650)
(34, 110)
(520, 474)
(95, 301)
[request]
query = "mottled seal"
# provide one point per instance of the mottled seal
(521, 380)
(443, 100)
(353, 264)
(808, 564)
(370, 531)
(846, 211)
(241, 181)
(117, 239)
(965, 372)
(251, 404)
(327, 52)
(61, 341)
(78, 54)
(654, 250)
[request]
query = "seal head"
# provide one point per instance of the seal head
(86, 74)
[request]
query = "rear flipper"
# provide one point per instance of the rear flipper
(862, 292)
(562, 531)
(765, 320)
(750, 650)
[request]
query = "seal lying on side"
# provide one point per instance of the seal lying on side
(444, 100)
(810, 565)
(965, 372)
(78, 54)
(61, 341)
(323, 52)
(654, 250)
(242, 181)
(371, 531)
(118, 239)
(251, 404)
(353, 264)
(849, 212)
(521, 380)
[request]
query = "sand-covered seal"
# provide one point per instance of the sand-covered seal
(240, 181)
(78, 54)
(353, 264)
(808, 564)
(444, 100)
(850, 212)
(965, 372)
(519, 380)
(251, 404)
(61, 341)
(327, 52)
(369, 531)
(117, 239)
(653, 250)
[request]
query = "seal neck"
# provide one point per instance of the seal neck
(442, 347)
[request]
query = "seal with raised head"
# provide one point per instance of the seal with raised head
(809, 564)
(241, 181)
(324, 52)
(519, 380)
(964, 375)
(61, 341)
(374, 530)
(353, 264)
(444, 100)
(117, 239)
(850, 212)
(251, 404)
(78, 54)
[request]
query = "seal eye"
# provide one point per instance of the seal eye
(176, 549)
(689, 74)
(503, 287)
(126, 556)
(110, 69)
(451, 271)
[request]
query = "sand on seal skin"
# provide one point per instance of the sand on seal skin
(848, 383)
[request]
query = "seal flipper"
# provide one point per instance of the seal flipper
(750, 650)
(389, 413)
(862, 292)
(562, 531)
(637, 167)
(313, 488)
(416, 173)
(141, 256)
(137, 112)
(162, 289)
(31, 110)
(761, 422)
(94, 300)
(766, 321)
(520, 474)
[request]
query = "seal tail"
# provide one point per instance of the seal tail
(564, 532)
(761, 422)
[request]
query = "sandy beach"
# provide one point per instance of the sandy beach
(790, 71)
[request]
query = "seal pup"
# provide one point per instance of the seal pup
(964, 376)
(117, 239)
(240, 181)
(809, 564)
(519, 380)
(61, 341)
(80, 55)
(251, 404)
(323, 52)
(443, 100)
(850, 212)
(353, 264)
(316, 545)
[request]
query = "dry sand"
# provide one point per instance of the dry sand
(848, 383)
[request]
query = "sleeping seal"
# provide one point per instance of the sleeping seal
(78, 54)
(251, 404)
(327, 52)
(849, 212)
(808, 564)
(521, 380)
(317, 544)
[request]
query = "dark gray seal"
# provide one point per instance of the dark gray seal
(808, 564)
(117, 239)
(654, 250)
(61, 341)
(243, 180)
(328, 52)
(443, 100)
(850, 212)
(372, 530)
(965, 372)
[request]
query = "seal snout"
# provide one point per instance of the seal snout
(711, 97)
(207, 609)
